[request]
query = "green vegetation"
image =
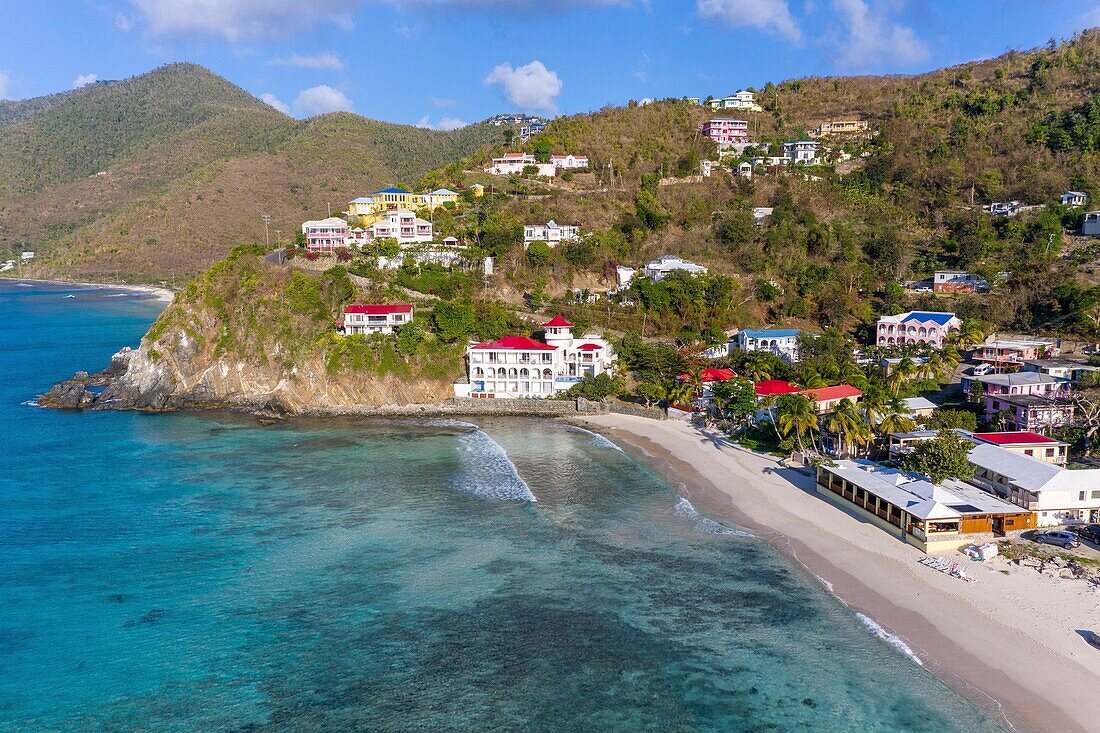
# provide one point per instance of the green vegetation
(941, 458)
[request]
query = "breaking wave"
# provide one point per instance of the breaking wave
(597, 440)
(871, 625)
(685, 510)
(487, 472)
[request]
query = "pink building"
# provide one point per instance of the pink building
(1011, 353)
(326, 235)
(727, 132)
(916, 327)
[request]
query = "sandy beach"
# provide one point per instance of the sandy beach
(162, 294)
(1008, 641)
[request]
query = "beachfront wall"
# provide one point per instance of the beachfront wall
(946, 537)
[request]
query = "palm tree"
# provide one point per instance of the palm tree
(851, 373)
(848, 424)
(798, 415)
(769, 403)
(901, 373)
(969, 334)
(756, 366)
(811, 379)
(679, 392)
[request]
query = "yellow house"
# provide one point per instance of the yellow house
(439, 197)
(478, 190)
(392, 199)
(362, 206)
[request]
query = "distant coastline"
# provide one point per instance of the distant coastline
(163, 294)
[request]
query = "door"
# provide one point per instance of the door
(998, 527)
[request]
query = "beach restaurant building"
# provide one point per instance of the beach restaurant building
(931, 517)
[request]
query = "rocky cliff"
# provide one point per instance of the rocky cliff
(256, 336)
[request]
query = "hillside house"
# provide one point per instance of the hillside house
(363, 206)
(528, 131)
(727, 132)
(1075, 198)
(551, 233)
(918, 408)
(801, 151)
(1060, 368)
(744, 100)
(403, 225)
(520, 366)
(393, 199)
(958, 281)
(659, 269)
(1030, 412)
(514, 163)
(1027, 444)
(362, 319)
(438, 197)
(568, 162)
(1090, 224)
(783, 342)
(1005, 353)
(1017, 383)
(477, 190)
(850, 126)
(704, 394)
(326, 235)
(916, 327)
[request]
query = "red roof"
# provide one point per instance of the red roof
(517, 343)
(824, 394)
(557, 322)
(589, 347)
(712, 375)
(773, 387)
(1013, 438)
(378, 310)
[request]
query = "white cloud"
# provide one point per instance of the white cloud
(513, 7)
(321, 100)
(444, 124)
(317, 61)
(443, 102)
(242, 20)
(5, 85)
(873, 39)
(84, 80)
(1090, 19)
(276, 102)
(532, 87)
(770, 16)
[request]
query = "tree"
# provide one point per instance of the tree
(797, 415)
(848, 425)
(962, 419)
(509, 136)
(736, 397)
(596, 387)
(453, 321)
(539, 253)
(941, 458)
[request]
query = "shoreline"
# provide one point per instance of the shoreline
(1004, 642)
(162, 294)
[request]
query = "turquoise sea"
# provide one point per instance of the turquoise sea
(200, 572)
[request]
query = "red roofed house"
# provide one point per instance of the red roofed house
(711, 375)
(362, 319)
(520, 366)
(772, 387)
(827, 398)
(1028, 444)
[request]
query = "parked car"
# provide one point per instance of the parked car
(1087, 531)
(1057, 537)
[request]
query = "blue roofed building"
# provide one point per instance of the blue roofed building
(916, 327)
(783, 342)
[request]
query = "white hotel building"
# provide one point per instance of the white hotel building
(551, 232)
(520, 366)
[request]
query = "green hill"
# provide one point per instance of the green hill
(158, 176)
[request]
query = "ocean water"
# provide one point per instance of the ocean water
(200, 572)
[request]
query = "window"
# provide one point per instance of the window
(1081, 496)
(1096, 495)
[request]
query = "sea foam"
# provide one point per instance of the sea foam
(597, 440)
(685, 510)
(487, 471)
(873, 626)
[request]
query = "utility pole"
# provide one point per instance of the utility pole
(278, 235)
(267, 224)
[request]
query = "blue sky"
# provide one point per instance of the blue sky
(445, 62)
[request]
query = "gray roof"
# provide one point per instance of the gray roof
(918, 403)
(1031, 473)
(918, 496)
(1018, 379)
(1029, 400)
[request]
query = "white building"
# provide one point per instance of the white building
(403, 225)
(362, 319)
(568, 162)
(551, 232)
(659, 269)
(801, 151)
(514, 163)
(326, 235)
(1054, 493)
(624, 276)
(743, 99)
(1075, 198)
(783, 342)
(520, 366)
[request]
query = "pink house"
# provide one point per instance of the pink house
(916, 327)
(727, 132)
